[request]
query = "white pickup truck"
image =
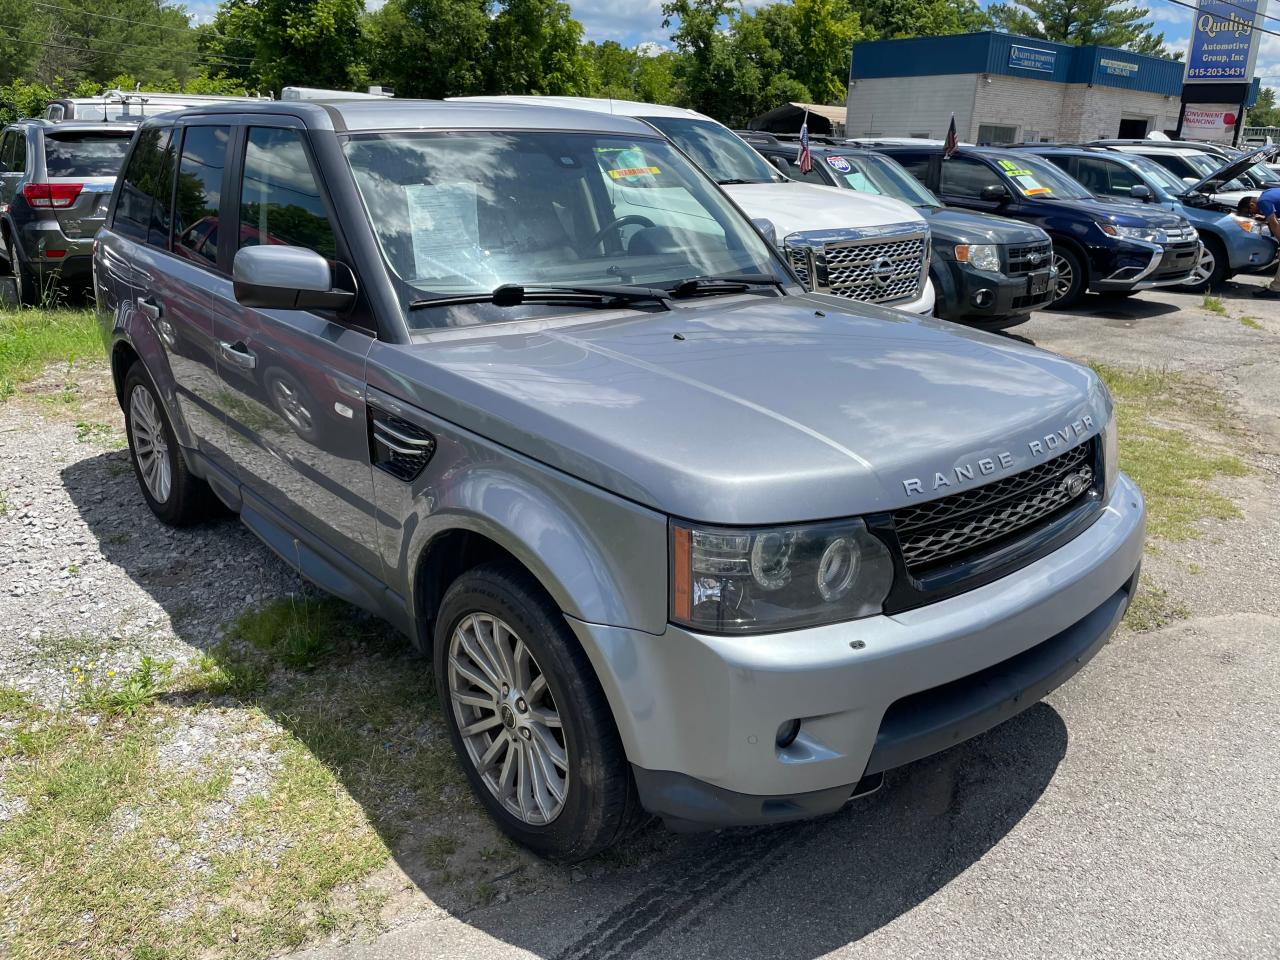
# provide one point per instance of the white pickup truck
(868, 248)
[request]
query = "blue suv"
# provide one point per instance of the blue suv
(1231, 244)
(1107, 246)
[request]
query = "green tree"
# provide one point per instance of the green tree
(1082, 22)
(892, 19)
(313, 43)
(1264, 113)
(428, 48)
(535, 46)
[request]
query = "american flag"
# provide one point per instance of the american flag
(804, 158)
(952, 141)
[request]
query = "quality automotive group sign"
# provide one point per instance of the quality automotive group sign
(1224, 43)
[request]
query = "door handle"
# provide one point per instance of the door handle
(238, 354)
(149, 308)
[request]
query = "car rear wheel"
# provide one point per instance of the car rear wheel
(1068, 285)
(527, 716)
(174, 494)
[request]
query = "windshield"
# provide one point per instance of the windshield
(723, 154)
(462, 213)
(1154, 173)
(68, 154)
(1206, 165)
(1264, 174)
(1038, 179)
(883, 176)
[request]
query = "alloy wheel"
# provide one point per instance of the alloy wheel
(150, 448)
(507, 719)
(1208, 263)
(1065, 278)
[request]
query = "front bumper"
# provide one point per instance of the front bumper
(972, 294)
(1144, 265)
(699, 714)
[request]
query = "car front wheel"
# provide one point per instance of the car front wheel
(527, 717)
(1069, 284)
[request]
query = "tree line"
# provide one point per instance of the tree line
(723, 59)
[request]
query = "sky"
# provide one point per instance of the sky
(640, 21)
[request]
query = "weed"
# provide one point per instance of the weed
(88, 432)
(1195, 568)
(1152, 609)
(1251, 323)
(140, 687)
(1213, 305)
(485, 893)
(438, 849)
(1172, 469)
(4, 504)
(32, 339)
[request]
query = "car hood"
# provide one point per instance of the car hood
(808, 206)
(1120, 211)
(750, 409)
(960, 226)
(1226, 173)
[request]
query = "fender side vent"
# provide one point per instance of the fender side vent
(397, 446)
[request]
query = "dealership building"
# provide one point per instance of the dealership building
(1003, 88)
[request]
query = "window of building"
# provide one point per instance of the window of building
(204, 156)
(995, 133)
(280, 201)
(962, 177)
(142, 208)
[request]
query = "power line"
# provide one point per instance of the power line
(105, 16)
(211, 59)
(1192, 6)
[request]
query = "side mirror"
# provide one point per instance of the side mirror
(994, 193)
(767, 228)
(286, 278)
(1140, 191)
(782, 163)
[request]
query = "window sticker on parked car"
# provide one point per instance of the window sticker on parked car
(629, 166)
(628, 172)
(839, 163)
(444, 225)
(1025, 179)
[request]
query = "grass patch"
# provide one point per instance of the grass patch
(93, 432)
(1173, 469)
(1152, 609)
(32, 339)
(1251, 323)
(1213, 305)
(138, 688)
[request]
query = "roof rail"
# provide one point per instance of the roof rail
(757, 136)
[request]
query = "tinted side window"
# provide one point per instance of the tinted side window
(199, 203)
(19, 151)
(145, 186)
(916, 164)
(1106, 177)
(6, 151)
(962, 177)
(280, 201)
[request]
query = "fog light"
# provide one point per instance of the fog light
(788, 730)
(983, 298)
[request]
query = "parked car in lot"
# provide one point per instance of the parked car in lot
(1192, 165)
(872, 249)
(680, 536)
(1229, 244)
(55, 182)
(987, 271)
(1107, 246)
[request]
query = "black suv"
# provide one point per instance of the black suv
(1100, 245)
(55, 184)
(987, 271)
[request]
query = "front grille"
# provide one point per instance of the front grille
(875, 270)
(1028, 258)
(950, 527)
(1183, 234)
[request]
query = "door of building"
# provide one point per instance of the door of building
(1132, 128)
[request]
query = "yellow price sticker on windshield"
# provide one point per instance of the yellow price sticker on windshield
(633, 172)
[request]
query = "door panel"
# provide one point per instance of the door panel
(293, 381)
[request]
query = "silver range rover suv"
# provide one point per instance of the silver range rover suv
(679, 536)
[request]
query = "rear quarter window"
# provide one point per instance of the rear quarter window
(69, 154)
(145, 191)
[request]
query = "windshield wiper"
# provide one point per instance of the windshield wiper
(730, 181)
(514, 294)
(722, 283)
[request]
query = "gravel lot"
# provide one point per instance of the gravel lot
(1134, 814)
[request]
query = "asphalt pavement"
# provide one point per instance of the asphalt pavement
(1135, 813)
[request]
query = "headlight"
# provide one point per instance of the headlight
(984, 256)
(776, 578)
(1243, 224)
(1149, 234)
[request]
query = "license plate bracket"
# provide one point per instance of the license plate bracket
(1038, 282)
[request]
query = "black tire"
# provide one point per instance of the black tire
(600, 804)
(1079, 277)
(189, 499)
(1221, 267)
(25, 282)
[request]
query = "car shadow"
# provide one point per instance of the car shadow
(799, 890)
(1125, 308)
